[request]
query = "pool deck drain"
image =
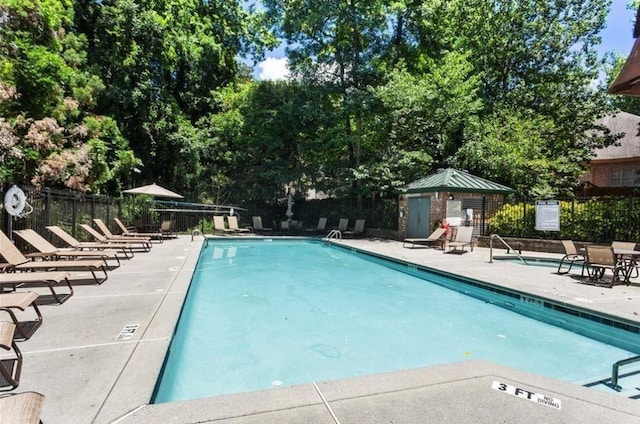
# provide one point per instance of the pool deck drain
(88, 377)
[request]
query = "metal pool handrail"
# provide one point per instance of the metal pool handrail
(616, 366)
(334, 234)
(506, 245)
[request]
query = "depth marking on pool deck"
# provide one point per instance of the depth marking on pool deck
(127, 332)
(526, 394)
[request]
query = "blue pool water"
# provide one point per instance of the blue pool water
(261, 315)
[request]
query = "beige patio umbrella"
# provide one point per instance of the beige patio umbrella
(628, 82)
(154, 190)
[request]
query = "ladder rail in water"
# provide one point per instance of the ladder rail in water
(616, 368)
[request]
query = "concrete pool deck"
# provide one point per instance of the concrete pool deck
(93, 369)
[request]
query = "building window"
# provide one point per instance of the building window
(624, 178)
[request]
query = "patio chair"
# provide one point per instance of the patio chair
(166, 228)
(358, 229)
(133, 232)
(599, 260)
(464, 237)
(434, 239)
(571, 257)
(343, 224)
(78, 245)
(18, 302)
(630, 261)
(110, 236)
(219, 225)
(320, 228)
(30, 279)
(139, 244)
(21, 408)
(233, 225)
(11, 363)
(18, 262)
(48, 250)
(257, 225)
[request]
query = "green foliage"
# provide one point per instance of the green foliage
(383, 92)
(594, 220)
(48, 96)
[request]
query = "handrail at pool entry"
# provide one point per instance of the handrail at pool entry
(615, 369)
(334, 234)
(507, 246)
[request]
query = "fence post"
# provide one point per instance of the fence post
(93, 207)
(7, 221)
(629, 219)
(47, 206)
(524, 218)
(573, 218)
(74, 214)
(483, 231)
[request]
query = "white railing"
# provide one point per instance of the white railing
(506, 245)
(334, 234)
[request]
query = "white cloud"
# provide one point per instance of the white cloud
(273, 69)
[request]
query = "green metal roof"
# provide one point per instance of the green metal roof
(452, 180)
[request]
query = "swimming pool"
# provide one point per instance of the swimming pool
(262, 314)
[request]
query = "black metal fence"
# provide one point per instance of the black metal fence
(66, 209)
(601, 219)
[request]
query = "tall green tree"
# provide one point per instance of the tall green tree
(51, 133)
(537, 60)
(162, 62)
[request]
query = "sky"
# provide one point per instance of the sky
(617, 36)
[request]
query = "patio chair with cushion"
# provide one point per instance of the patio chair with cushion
(16, 303)
(78, 245)
(48, 250)
(464, 237)
(21, 408)
(434, 239)
(571, 256)
(18, 262)
(133, 232)
(11, 362)
(599, 260)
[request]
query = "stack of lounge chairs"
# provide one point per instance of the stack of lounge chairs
(54, 268)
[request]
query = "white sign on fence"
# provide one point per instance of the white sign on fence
(548, 215)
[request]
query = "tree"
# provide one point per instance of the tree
(50, 130)
(162, 62)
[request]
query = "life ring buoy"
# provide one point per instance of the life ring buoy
(14, 201)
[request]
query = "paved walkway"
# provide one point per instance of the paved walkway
(96, 358)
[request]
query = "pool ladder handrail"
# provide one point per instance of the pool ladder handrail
(334, 234)
(615, 370)
(506, 245)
